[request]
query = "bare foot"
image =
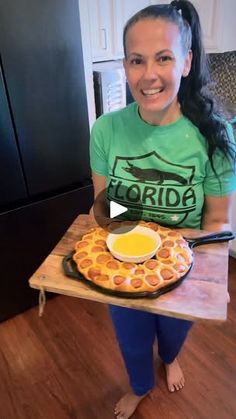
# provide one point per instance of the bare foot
(174, 376)
(127, 405)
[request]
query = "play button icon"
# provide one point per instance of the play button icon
(116, 209)
(108, 208)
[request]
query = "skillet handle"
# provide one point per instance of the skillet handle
(221, 236)
(67, 264)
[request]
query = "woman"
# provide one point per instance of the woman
(171, 130)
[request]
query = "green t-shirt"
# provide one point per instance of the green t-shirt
(163, 169)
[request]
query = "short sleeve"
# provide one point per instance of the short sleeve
(224, 183)
(99, 145)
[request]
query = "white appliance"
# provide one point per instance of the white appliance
(110, 87)
(232, 247)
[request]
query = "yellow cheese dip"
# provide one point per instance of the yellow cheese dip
(133, 244)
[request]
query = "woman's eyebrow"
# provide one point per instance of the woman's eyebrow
(163, 51)
(134, 54)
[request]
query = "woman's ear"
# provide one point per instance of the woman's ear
(187, 63)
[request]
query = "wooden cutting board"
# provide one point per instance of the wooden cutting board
(201, 296)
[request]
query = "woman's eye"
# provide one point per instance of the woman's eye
(136, 61)
(164, 58)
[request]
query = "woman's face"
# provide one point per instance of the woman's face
(154, 66)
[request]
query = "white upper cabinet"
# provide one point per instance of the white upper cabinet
(101, 27)
(218, 24)
(217, 19)
(108, 17)
(122, 11)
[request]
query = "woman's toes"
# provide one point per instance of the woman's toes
(116, 410)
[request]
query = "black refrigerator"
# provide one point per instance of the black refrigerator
(44, 137)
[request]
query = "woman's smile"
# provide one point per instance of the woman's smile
(152, 92)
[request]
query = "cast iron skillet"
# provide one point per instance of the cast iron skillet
(71, 270)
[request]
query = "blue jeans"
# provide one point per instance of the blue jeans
(136, 331)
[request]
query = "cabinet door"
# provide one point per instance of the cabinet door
(209, 16)
(100, 16)
(12, 184)
(209, 13)
(122, 11)
(218, 24)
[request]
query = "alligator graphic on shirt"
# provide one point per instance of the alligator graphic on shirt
(153, 175)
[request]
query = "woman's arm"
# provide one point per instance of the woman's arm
(100, 207)
(216, 213)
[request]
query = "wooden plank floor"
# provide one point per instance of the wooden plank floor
(66, 365)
